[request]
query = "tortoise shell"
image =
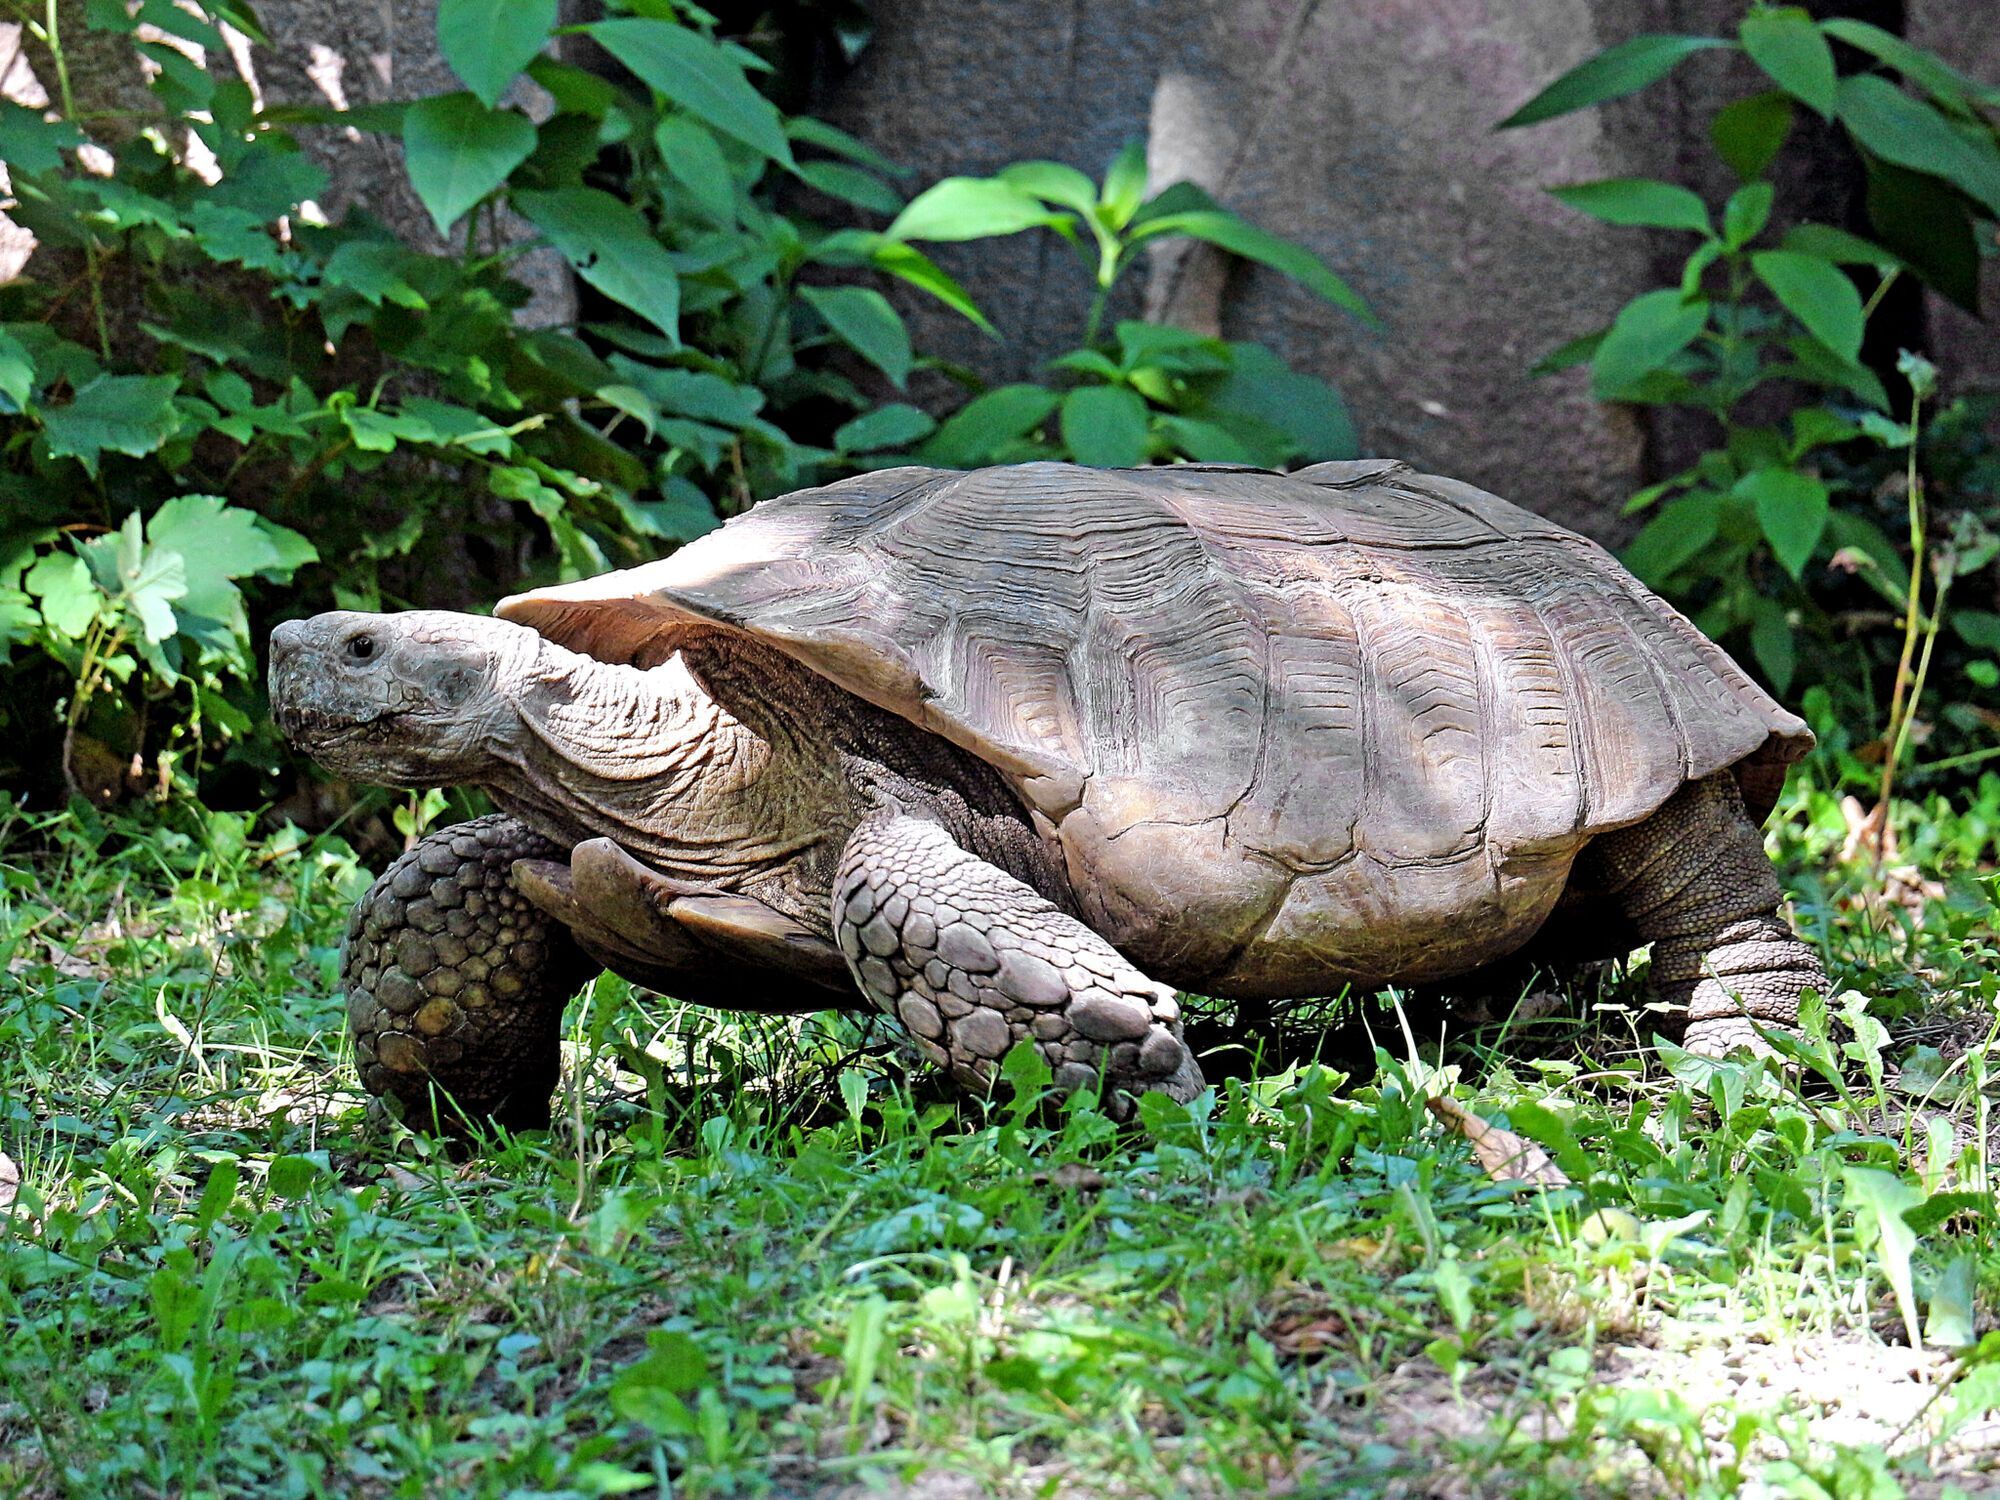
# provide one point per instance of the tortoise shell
(1350, 723)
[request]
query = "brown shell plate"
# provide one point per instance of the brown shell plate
(1329, 720)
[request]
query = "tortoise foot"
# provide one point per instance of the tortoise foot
(1694, 881)
(456, 983)
(971, 961)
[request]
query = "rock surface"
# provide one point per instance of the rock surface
(322, 52)
(1965, 348)
(1363, 129)
(350, 54)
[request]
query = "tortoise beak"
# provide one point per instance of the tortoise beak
(289, 685)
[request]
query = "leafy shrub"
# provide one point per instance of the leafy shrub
(1801, 520)
(205, 389)
(1150, 392)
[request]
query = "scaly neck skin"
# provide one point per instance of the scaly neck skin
(650, 759)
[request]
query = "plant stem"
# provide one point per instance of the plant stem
(1881, 290)
(781, 295)
(1931, 628)
(52, 39)
(1739, 282)
(1095, 320)
(1969, 758)
(1109, 252)
(1897, 732)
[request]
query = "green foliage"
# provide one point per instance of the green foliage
(157, 598)
(1612, 74)
(1766, 538)
(1943, 133)
(756, 1256)
(490, 42)
(1152, 393)
(1148, 392)
(199, 342)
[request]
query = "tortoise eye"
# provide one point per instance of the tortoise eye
(361, 647)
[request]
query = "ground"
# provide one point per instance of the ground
(761, 1258)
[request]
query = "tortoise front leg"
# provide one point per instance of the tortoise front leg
(1695, 882)
(971, 961)
(456, 982)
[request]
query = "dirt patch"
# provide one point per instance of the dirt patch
(1823, 1392)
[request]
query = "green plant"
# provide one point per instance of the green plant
(1146, 392)
(147, 609)
(1967, 550)
(1932, 156)
(768, 1262)
(1764, 336)
(205, 388)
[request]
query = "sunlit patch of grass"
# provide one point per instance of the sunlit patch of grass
(763, 1256)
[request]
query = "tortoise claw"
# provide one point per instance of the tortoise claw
(709, 947)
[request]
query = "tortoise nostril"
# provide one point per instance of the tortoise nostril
(286, 639)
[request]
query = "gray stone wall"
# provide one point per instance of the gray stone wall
(1363, 129)
(341, 52)
(355, 52)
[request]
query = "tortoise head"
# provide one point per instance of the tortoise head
(420, 698)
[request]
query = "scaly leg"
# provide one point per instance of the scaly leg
(971, 961)
(707, 947)
(1695, 883)
(456, 982)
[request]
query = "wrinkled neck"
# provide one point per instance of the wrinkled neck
(622, 723)
(643, 755)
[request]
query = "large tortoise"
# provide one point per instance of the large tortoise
(1014, 750)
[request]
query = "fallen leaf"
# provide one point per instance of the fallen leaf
(1302, 1321)
(10, 1180)
(1505, 1156)
(1295, 1335)
(1360, 1247)
(1869, 842)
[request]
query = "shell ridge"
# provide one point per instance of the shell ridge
(1583, 746)
(1413, 485)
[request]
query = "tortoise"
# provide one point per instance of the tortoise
(1016, 753)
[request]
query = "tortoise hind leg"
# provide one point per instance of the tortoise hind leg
(456, 983)
(1695, 882)
(971, 961)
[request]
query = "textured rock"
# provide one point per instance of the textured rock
(350, 54)
(1362, 129)
(323, 51)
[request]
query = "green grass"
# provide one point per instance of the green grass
(759, 1258)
